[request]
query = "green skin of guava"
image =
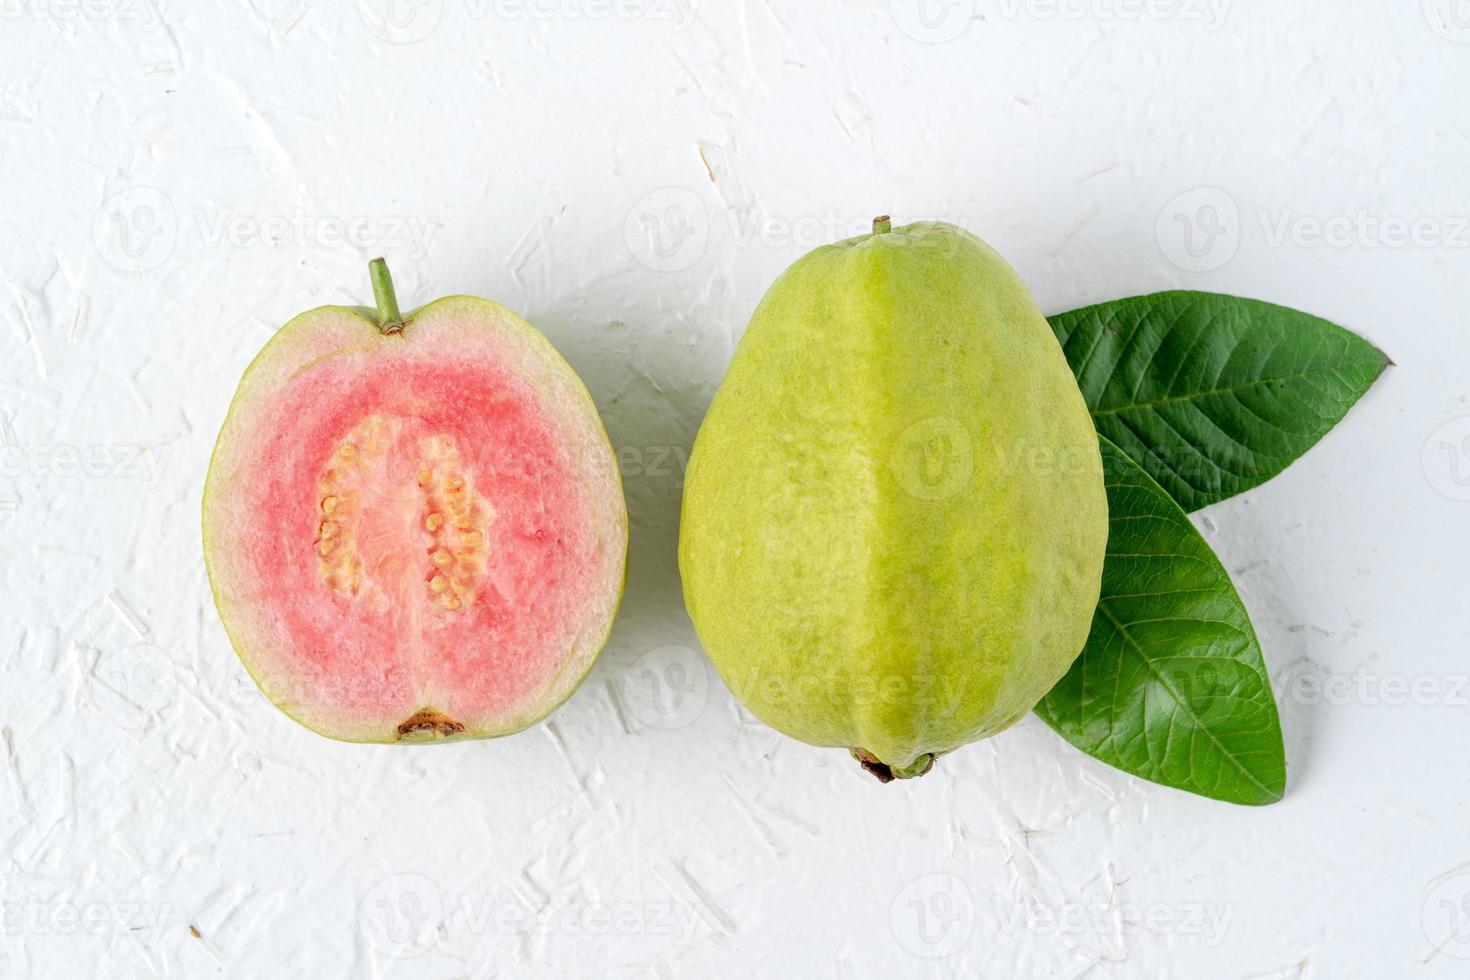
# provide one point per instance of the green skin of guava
(894, 516)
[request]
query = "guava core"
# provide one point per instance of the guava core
(414, 525)
(894, 517)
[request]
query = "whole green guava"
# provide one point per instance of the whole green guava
(894, 517)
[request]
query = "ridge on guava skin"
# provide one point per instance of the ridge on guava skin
(894, 518)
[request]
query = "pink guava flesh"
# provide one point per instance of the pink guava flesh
(423, 539)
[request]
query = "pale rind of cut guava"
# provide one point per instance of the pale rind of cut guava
(894, 516)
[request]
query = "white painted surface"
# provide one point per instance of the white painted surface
(175, 184)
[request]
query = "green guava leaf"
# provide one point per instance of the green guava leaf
(1171, 685)
(1213, 395)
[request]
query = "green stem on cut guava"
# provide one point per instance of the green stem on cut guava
(389, 319)
(882, 224)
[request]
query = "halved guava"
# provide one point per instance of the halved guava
(414, 525)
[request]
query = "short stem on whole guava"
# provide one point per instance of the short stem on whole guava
(882, 224)
(389, 319)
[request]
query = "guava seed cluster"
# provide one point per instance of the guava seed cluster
(380, 477)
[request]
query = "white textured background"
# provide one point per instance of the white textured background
(631, 174)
